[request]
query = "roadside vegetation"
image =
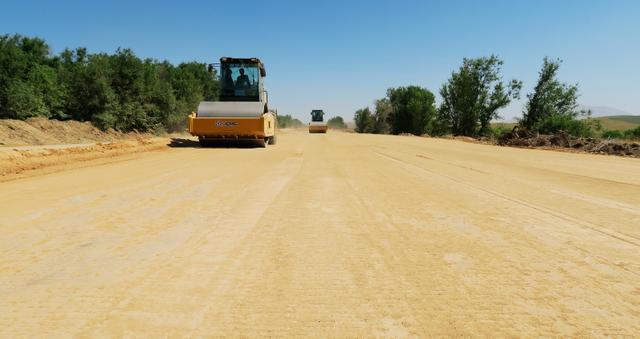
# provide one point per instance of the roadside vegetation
(113, 91)
(337, 123)
(287, 121)
(123, 92)
(630, 134)
(471, 100)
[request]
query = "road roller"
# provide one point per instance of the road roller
(242, 111)
(317, 124)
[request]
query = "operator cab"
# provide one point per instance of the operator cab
(316, 115)
(242, 79)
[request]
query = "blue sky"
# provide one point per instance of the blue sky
(342, 55)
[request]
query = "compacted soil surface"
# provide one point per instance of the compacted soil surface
(320, 235)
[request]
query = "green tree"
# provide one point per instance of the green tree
(72, 71)
(412, 110)
(46, 82)
(364, 120)
(23, 101)
(553, 105)
(207, 80)
(337, 123)
(381, 116)
(29, 84)
(473, 95)
(97, 101)
(187, 89)
(117, 90)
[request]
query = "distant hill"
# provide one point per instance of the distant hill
(613, 118)
(620, 122)
(604, 111)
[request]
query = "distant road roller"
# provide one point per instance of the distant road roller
(317, 124)
(242, 112)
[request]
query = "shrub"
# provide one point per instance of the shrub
(337, 123)
(612, 135)
(565, 123)
(23, 101)
(287, 121)
(498, 131)
(364, 120)
(632, 133)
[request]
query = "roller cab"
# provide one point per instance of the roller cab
(242, 113)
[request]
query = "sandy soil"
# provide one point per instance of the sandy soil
(42, 131)
(24, 161)
(325, 235)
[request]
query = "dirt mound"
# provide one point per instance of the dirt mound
(522, 138)
(41, 131)
(18, 162)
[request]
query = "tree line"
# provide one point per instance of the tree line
(124, 92)
(119, 90)
(471, 99)
(287, 121)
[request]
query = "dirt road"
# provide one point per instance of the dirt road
(325, 235)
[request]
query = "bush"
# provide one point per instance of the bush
(287, 121)
(23, 101)
(175, 123)
(612, 135)
(497, 132)
(565, 123)
(633, 134)
(337, 123)
(364, 120)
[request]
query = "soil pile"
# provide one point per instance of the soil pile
(42, 131)
(523, 138)
(16, 161)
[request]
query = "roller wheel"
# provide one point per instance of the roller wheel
(272, 140)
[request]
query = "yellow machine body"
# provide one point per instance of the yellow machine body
(261, 127)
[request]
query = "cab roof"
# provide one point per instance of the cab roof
(263, 72)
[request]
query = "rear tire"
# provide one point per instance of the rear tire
(272, 140)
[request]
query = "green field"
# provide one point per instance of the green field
(504, 125)
(620, 122)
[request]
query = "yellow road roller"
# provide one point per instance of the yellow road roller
(242, 112)
(317, 124)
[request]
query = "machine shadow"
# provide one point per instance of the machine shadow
(190, 143)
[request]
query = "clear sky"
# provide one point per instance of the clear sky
(342, 55)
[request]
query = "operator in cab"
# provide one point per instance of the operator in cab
(242, 82)
(227, 79)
